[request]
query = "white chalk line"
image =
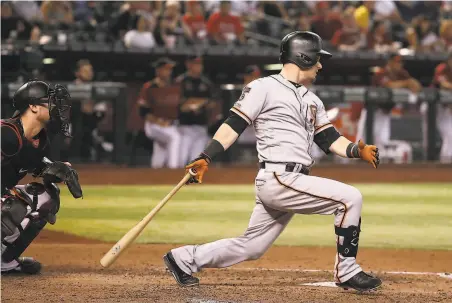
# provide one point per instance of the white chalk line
(413, 273)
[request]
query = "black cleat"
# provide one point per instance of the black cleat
(361, 282)
(182, 278)
(26, 265)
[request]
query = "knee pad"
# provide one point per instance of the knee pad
(14, 210)
(349, 246)
(46, 199)
(15, 249)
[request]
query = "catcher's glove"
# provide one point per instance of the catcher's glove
(57, 172)
(200, 165)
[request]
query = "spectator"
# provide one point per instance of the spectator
(325, 23)
(421, 36)
(9, 21)
(379, 39)
(275, 9)
(303, 23)
(28, 10)
(57, 12)
(141, 36)
(84, 12)
(198, 97)
(393, 75)
(194, 20)
(362, 15)
(445, 33)
(35, 35)
(443, 79)
(223, 27)
(170, 26)
(349, 37)
(242, 9)
(158, 105)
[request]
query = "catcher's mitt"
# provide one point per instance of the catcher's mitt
(57, 172)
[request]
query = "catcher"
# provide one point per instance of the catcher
(26, 209)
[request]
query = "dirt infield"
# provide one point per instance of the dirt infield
(72, 272)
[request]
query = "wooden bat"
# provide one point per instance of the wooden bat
(133, 233)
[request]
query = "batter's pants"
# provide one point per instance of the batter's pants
(280, 195)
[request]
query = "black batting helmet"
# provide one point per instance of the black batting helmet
(33, 92)
(302, 48)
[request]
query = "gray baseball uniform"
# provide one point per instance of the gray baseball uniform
(285, 119)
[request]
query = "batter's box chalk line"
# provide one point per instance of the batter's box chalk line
(408, 273)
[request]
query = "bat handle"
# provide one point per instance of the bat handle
(192, 171)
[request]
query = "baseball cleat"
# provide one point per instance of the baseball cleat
(361, 282)
(26, 265)
(182, 278)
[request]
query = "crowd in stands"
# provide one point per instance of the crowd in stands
(383, 26)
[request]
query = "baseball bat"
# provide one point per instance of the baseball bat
(133, 233)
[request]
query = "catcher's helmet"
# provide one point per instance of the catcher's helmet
(37, 92)
(302, 49)
(33, 92)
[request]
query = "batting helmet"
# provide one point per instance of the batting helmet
(302, 49)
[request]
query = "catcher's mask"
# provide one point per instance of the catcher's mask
(39, 92)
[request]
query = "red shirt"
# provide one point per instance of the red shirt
(442, 72)
(223, 24)
(325, 27)
(195, 23)
(345, 37)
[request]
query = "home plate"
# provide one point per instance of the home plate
(322, 284)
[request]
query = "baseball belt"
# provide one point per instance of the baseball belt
(289, 167)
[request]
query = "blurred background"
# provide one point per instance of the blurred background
(151, 81)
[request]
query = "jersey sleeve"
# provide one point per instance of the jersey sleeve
(143, 97)
(11, 140)
(321, 120)
(439, 74)
(251, 101)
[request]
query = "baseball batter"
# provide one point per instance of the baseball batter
(288, 120)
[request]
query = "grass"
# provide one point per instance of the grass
(394, 215)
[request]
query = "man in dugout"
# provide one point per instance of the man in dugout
(158, 105)
(197, 99)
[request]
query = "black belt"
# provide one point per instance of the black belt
(291, 167)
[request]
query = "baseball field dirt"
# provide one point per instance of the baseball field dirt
(72, 272)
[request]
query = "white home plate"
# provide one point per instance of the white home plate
(322, 284)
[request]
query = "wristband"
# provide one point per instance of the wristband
(352, 151)
(213, 149)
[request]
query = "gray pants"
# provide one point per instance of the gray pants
(166, 145)
(194, 139)
(280, 195)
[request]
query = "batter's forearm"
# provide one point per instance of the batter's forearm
(225, 135)
(339, 147)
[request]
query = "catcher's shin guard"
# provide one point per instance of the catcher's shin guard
(15, 249)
